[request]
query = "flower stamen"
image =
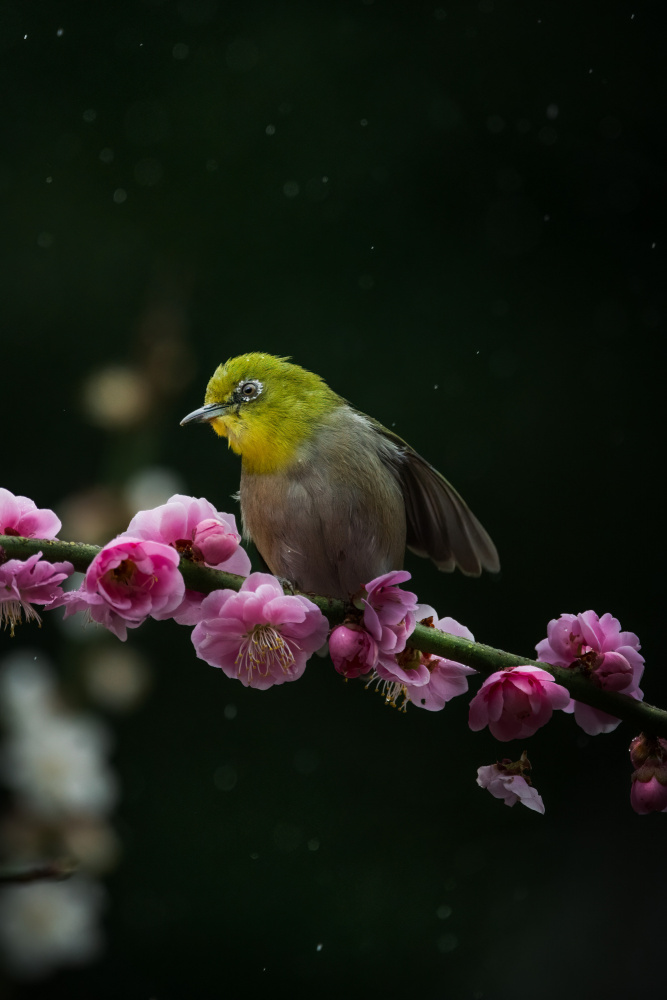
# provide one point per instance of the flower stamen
(391, 691)
(11, 613)
(259, 647)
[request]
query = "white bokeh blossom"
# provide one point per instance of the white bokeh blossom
(53, 759)
(44, 925)
(58, 767)
(27, 691)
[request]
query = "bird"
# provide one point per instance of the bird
(330, 497)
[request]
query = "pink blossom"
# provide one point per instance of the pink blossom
(195, 528)
(397, 676)
(389, 612)
(426, 680)
(592, 720)
(24, 582)
(21, 516)
(128, 580)
(258, 635)
(516, 702)
(353, 650)
(512, 787)
(649, 781)
(609, 656)
(199, 532)
(447, 678)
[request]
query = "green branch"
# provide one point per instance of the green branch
(486, 659)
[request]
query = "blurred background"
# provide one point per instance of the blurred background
(456, 215)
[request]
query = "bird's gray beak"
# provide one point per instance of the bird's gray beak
(204, 413)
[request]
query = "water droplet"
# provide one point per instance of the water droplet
(290, 189)
(120, 195)
(180, 51)
(270, 129)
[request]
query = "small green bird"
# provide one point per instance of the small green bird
(329, 496)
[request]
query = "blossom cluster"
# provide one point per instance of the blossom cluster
(375, 646)
(27, 582)
(137, 575)
(264, 637)
(609, 656)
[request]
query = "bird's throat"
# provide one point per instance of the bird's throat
(265, 448)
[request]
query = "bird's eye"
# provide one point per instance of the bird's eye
(249, 390)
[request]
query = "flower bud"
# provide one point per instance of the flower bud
(352, 650)
(213, 542)
(649, 782)
(648, 795)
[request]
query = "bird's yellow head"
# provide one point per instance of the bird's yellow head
(265, 407)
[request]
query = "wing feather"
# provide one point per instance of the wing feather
(440, 524)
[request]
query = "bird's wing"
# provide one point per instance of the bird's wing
(440, 524)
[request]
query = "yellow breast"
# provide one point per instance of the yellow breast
(265, 446)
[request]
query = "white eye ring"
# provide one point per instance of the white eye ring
(248, 389)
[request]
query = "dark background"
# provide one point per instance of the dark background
(456, 216)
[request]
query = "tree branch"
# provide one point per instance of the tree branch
(57, 870)
(486, 659)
